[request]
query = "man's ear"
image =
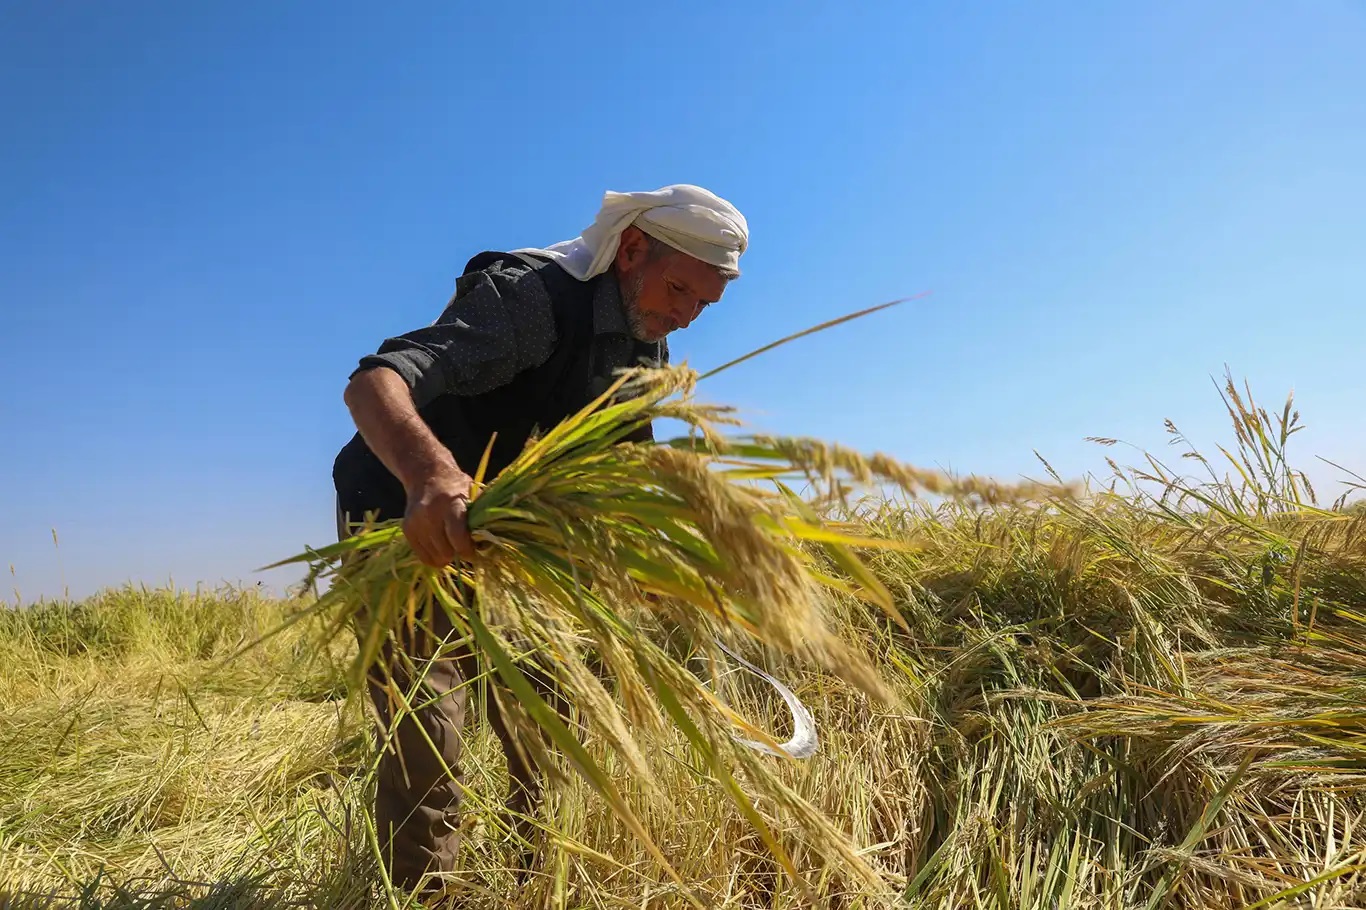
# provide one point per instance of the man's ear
(633, 249)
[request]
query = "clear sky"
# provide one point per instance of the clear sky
(209, 211)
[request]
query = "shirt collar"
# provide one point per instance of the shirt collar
(609, 312)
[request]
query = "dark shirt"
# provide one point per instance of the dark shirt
(499, 323)
(474, 372)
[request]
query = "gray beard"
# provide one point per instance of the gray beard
(630, 293)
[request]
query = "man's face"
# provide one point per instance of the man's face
(666, 294)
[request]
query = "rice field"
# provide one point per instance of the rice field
(1146, 695)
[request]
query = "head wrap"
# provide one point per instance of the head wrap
(688, 218)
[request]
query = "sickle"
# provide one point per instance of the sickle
(803, 742)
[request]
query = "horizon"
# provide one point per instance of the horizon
(215, 211)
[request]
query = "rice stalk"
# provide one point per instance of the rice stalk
(587, 543)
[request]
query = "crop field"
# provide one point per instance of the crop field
(1151, 695)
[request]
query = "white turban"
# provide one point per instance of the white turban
(688, 218)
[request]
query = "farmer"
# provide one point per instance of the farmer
(528, 338)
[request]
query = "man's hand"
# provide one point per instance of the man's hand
(438, 491)
(435, 522)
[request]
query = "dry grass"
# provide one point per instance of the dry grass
(1148, 696)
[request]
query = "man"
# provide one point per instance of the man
(529, 338)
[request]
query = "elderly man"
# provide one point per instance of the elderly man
(529, 338)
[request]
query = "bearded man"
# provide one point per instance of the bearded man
(529, 338)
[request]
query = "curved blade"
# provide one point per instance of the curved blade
(803, 742)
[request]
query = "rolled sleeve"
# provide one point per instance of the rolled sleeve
(498, 323)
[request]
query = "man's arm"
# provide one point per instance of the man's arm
(498, 323)
(381, 404)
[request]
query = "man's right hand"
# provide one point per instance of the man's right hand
(435, 522)
(438, 491)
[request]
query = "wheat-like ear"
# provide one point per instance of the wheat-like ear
(584, 538)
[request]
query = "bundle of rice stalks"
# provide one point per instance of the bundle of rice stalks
(588, 546)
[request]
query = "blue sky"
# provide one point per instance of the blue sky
(211, 210)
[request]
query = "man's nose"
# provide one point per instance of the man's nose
(686, 314)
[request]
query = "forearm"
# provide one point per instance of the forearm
(383, 410)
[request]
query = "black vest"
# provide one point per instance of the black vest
(534, 401)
